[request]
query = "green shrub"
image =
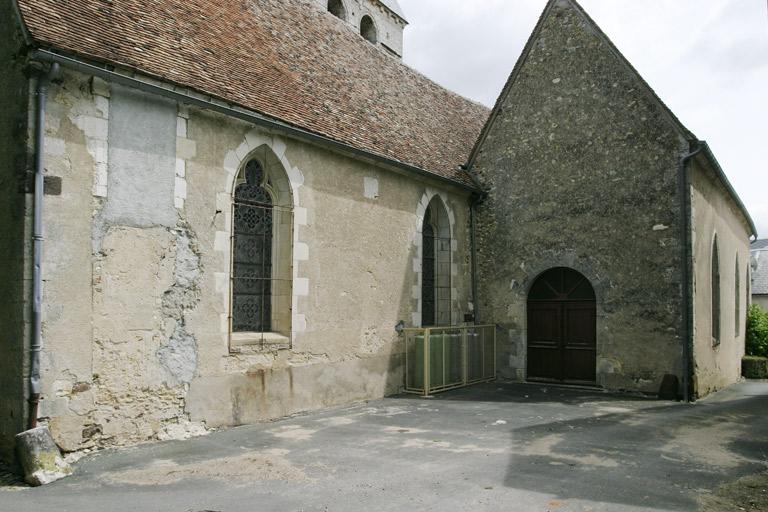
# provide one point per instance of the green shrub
(753, 367)
(757, 332)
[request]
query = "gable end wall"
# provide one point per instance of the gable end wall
(582, 167)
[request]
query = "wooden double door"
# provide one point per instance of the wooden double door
(562, 330)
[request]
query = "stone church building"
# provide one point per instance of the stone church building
(216, 213)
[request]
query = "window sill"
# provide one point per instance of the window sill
(258, 341)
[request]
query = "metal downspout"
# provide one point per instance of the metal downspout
(36, 344)
(687, 273)
(476, 199)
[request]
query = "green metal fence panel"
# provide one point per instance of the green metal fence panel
(439, 359)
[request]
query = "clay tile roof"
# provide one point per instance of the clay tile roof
(286, 59)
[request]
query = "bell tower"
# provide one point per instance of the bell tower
(380, 22)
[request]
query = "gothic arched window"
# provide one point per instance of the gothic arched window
(252, 253)
(737, 298)
(715, 293)
(436, 297)
(368, 29)
(261, 299)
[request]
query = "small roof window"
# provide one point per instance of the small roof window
(336, 7)
(368, 29)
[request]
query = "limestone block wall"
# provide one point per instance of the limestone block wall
(581, 166)
(389, 27)
(714, 214)
(138, 260)
(13, 274)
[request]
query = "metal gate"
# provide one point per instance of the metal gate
(442, 358)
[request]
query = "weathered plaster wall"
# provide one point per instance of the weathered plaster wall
(761, 300)
(581, 166)
(356, 233)
(137, 297)
(13, 155)
(714, 213)
(76, 128)
(142, 160)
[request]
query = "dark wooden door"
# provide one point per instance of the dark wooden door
(562, 328)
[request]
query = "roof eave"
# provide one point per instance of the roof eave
(667, 112)
(723, 179)
(505, 90)
(398, 14)
(205, 100)
(28, 40)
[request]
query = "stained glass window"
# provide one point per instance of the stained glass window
(428, 271)
(252, 253)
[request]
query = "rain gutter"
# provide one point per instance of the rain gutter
(208, 102)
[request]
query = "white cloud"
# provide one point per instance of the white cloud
(707, 59)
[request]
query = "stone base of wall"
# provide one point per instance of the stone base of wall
(231, 400)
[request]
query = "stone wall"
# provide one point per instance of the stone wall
(138, 272)
(716, 215)
(581, 165)
(13, 240)
(389, 27)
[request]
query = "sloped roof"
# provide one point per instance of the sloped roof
(546, 13)
(286, 59)
(394, 6)
(759, 249)
(697, 145)
(760, 272)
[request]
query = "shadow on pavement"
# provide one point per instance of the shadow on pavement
(658, 455)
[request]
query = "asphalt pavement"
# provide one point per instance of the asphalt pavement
(509, 447)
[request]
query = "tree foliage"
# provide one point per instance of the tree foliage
(757, 332)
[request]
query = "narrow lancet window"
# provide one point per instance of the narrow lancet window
(428, 272)
(252, 255)
(737, 298)
(436, 297)
(368, 29)
(715, 294)
(336, 7)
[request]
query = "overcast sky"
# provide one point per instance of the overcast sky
(706, 59)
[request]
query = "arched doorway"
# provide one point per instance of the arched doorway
(562, 327)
